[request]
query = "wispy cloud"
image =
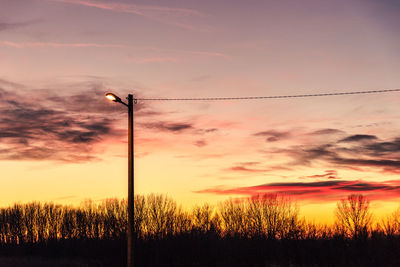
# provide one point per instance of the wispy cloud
(153, 59)
(247, 167)
(153, 54)
(326, 131)
(206, 131)
(332, 149)
(358, 152)
(315, 191)
(130, 8)
(211, 54)
(329, 174)
(4, 26)
(273, 135)
(174, 127)
(59, 125)
(359, 138)
(32, 131)
(58, 45)
(179, 17)
(44, 125)
(200, 143)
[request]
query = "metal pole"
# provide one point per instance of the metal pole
(131, 202)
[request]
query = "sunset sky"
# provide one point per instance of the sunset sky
(62, 141)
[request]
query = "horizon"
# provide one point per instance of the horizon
(310, 216)
(61, 141)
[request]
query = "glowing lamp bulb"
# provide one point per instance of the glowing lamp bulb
(112, 97)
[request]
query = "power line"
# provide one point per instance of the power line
(267, 97)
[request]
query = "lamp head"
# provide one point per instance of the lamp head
(113, 97)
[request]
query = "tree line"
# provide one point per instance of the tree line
(270, 217)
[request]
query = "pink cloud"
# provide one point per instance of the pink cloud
(245, 169)
(316, 191)
(44, 125)
(147, 59)
(200, 143)
(130, 8)
(119, 7)
(58, 45)
(167, 15)
(213, 54)
(329, 174)
(160, 59)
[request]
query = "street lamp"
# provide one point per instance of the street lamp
(131, 202)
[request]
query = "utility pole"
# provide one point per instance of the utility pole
(131, 181)
(131, 185)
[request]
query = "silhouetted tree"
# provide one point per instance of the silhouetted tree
(275, 216)
(161, 212)
(353, 217)
(203, 218)
(268, 216)
(391, 224)
(233, 217)
(141, 213)
(260, 231)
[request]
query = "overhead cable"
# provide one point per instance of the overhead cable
(268, 97)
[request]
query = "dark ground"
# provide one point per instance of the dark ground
(206, 251)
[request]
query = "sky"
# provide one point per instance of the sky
(62, 141)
